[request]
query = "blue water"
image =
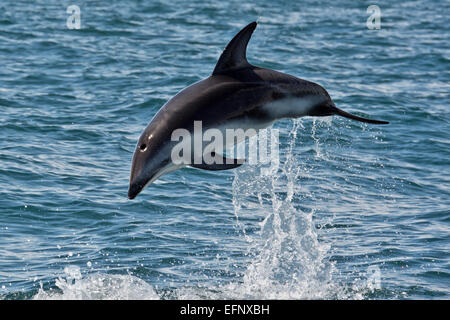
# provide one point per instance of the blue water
(355, 211)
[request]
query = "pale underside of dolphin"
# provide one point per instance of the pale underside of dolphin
(237, 94)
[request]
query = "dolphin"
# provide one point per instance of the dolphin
(236, 95)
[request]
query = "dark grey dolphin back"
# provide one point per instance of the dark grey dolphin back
(234, 55)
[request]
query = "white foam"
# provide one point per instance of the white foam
(97, 287)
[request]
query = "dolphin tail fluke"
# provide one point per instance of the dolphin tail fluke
(344, 114)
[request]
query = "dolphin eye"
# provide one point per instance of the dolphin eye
(143, 147)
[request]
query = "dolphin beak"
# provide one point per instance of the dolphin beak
(137, 185)
(134, 190)
(344, 114)
(138, 182)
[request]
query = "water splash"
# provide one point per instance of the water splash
(97, 287)
(287, 259)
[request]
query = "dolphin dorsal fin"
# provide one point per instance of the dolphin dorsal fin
(234, 55)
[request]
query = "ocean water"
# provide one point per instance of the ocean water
(354, 211)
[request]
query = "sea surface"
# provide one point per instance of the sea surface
(353, 211)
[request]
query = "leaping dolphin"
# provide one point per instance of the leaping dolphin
(236, 95)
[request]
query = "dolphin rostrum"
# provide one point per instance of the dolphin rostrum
(236, 95)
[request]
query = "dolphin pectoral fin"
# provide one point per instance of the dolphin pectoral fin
(344, 114)
(215, 166)
(234, 55)
(219, 163)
